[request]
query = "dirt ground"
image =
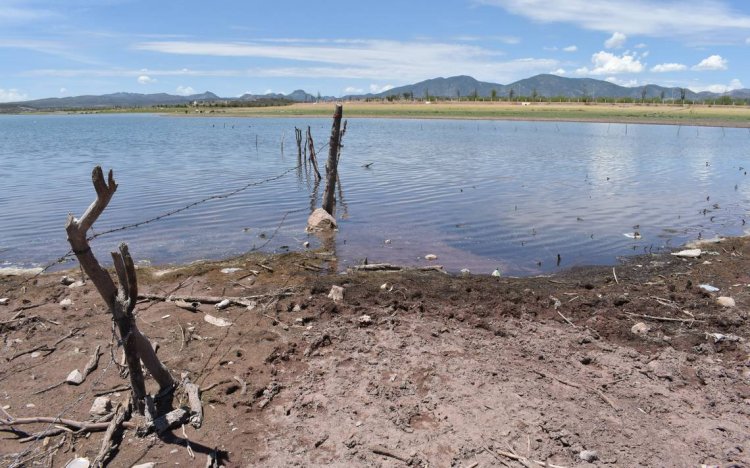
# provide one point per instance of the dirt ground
(636, 366)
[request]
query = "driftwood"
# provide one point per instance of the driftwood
(121, 413)
(194, 400)
(246, 301)
(120, 300)
(313, 158)
(391, 267)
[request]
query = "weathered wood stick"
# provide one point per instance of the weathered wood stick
(194, 400)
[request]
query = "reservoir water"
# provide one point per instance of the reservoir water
(478, 194)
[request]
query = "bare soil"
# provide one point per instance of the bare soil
(410, 368)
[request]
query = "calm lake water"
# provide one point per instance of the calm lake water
(478, 194)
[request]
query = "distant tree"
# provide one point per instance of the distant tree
(493, 93)
(511, 94)
(534, 94)
(683, 92)
(458, 94)
(474, 94)
(643, 94)
(406, 96)
(319, 96)
(426, 94)
(661, 96)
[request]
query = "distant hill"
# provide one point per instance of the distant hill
(142, 100)
(543, 85)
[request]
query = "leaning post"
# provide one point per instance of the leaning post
(329, 195)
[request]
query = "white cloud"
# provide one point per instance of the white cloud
(659, 18)
(184, 90)
(353, 90)
(365, 59)
(379, 89)
(714, 62)
(11, 95)
(63, 90)
(640, 46)
(145, 79)
(559, 71)
(719, 88)
(645, 54)
(11, 14)
(570, 48)
(668, 67)
(606, 63)
(617, 41)
(626, 83)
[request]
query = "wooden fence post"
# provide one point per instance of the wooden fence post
(329, 195)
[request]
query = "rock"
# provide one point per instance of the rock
(640, 328)
(79, 462)
(588, 456)
(74, 378)
(297, 308)
(387, 241)
(102, 405)
(364, 320)
(145, 465)
(708, 288)
(320, 220)
(689, 253)
(337, 293)
(384, 286)
(36, 354)
(228, 271)
(497, 273)
(430, 257)
(67, 280)
(621, 300)
(306, 245)
(76, 284)
(465, 271)
(65, 303)
(219, 322)
(725, 301)
(223, 304)
(191, 306)
(4, 301)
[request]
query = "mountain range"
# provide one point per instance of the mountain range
(454, 87)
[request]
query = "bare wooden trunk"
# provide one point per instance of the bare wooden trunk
(313, 158)
(329, 195)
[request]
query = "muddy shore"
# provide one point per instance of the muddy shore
(635, 365)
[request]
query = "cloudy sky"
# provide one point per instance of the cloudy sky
(73, 47)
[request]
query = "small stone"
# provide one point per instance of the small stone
(75, 377)
(465, 271)
(76, 284)
(588, 456)
(228, 271)
(497, 273)
(79, 462)
(219, 322)
(640, 328)
(297, 308)
(306, 245)
(36, 354)
(320, 220)
(65, 303)
(364, 320)
(337, 293)
(725, 301)
(621, 300)
(384, 286)
(4, 301)
(223, 304)
(387, 241)
(430, 257)
(102, 405)
(67, 280)
(30, 405)
(358, 423)
(145, 465)
(689, 253)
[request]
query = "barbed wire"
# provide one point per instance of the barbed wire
(69, 253)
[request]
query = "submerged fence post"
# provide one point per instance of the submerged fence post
(329, 195)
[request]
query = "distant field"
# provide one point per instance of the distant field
(661, 114)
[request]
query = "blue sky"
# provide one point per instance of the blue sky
(73, 47)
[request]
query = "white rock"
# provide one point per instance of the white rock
(228, 271)
(75, 377)
(306, 245)
(223, 304)
(79, 462)
(725, 301)
(145, 465)
(364, 320)
(430, 257)
(102, 405)
(65, 303)
(497, 273)
(384, 286)
(387, 241)
(588, 455)
(4, 301)
(219, 322)
(632, 235)
(12, 271)
(465, 271)
(640, 328)
(36, 354)
(320, 220)
(67, 280)
(689, 253)
(76, 284)
(337, 293)
(708, 287)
